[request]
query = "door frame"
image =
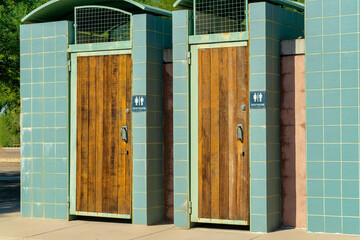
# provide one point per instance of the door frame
(194, 134)
(73, 132)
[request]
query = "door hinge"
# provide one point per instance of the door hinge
(190, 208)
(69, 65)
(189, 58)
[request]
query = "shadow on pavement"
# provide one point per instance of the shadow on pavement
(9, 188)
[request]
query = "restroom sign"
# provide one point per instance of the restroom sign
(257, 99)
(139, 103)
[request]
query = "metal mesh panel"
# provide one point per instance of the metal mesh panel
(220, 16)
(101, 24)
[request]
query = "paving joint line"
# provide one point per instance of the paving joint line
(55, 230)
(256, 237)
(146, 235)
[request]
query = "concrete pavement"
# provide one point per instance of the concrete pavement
(14, 227)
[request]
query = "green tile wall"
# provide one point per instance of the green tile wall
(44, 119)
(332, 115)
(151, 35)
(268, 25)
(181, 111)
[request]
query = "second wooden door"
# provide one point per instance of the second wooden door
(223, 147)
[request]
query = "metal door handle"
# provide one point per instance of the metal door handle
(124, 133)
(240, 132)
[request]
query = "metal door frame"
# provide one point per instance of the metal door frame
(73, 132)
(194, 135)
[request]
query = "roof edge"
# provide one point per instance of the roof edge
(144, 7)
(295, 5)
(38, 9)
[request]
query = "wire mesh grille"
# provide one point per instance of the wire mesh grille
(220, 16)
(100, 24)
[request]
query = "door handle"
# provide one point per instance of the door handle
(124, 133)
(240, 132)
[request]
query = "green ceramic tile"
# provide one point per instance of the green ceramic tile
(316, 224)
(347, 42)
(350, 152)
(61, 196)
(258, 223)
(62, 105)
(333, 224)
(351, 226)
(61, 180)
(350, 188)
(49, 135)
(349, 24)
(332, 188)
(314, 170)
(140, 200)
(332, 152)
(61, 211)
(331, 61)
(49, 180)
(315, 206)
(49, 120)
(38, 210)
(333, 206)
(349, 7)
(314, 188)
(349, 60)
(49, 165)
(350, 170)
(180, 185)
(49, 210)
(49, 195)
(49, 59)
(37, 193)
(61, 165)
(331, 43)
(139, 184)
(61, 150)
(350, 207)
(25, 194)
(181, 218)
(61, 120)
(38, 165)
(331, 25)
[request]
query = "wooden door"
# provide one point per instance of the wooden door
(223, 167)
(103, 160)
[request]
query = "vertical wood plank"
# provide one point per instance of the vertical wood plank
(200, 138)
(128, 163)
(243, 148)
(85, 136)
(107, 133)
(224, 136)
(114, 153)
(232, 98)
(80, 69)
(239, 120)
(99, 75)
(92, 136)
(214, 132)
(205, 133)
(122, 120)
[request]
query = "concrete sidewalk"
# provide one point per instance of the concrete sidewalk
(14, 227)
